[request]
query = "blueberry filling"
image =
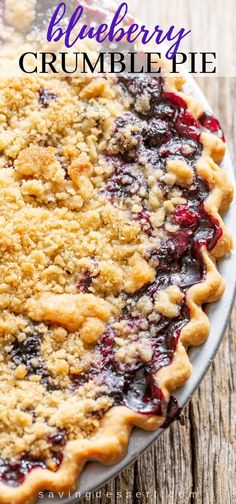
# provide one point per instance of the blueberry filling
(13, 474)
(86, 281)
(134, 385)
(212, 124)
(45, 97)
(168, 131)
(124, 181)
(93, 12)
(27, 352)
(144, 220)
(138, 86)
(57, 440)
(174, 412)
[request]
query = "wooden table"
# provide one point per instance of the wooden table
(194, 463)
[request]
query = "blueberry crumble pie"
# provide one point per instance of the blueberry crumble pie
(110, 193)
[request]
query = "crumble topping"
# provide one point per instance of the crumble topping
(23, 17)
(167, 301)
(67, 253)
(72, 311)
(101, 216)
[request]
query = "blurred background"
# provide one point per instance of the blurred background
(212, 23)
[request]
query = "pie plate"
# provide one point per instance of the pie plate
(95, 475)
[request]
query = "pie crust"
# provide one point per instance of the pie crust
(108, 442)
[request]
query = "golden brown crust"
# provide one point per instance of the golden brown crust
(109, 444)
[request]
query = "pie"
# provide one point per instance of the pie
(110, 197)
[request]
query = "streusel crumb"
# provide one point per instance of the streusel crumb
(95, 252)
(67, 253)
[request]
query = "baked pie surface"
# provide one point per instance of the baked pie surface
(110, 193)
(109, 197)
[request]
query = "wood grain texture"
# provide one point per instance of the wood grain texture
(194, 463)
